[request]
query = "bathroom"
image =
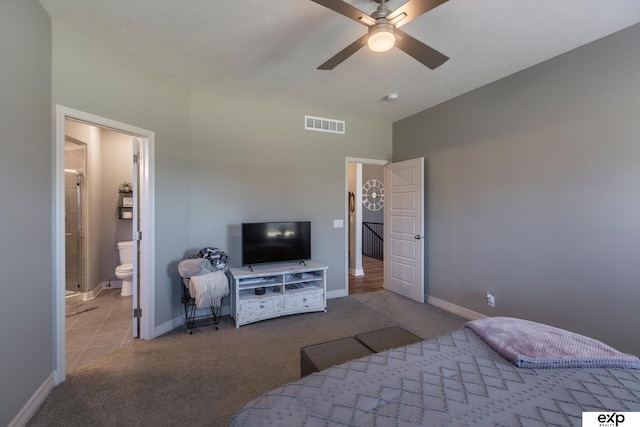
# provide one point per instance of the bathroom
(98, 162)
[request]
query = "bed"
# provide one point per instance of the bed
(494, 372)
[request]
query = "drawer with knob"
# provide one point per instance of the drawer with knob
(259, 307)
(300, 300)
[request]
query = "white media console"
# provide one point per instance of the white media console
(274, 290)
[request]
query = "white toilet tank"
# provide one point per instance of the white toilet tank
(125, 251)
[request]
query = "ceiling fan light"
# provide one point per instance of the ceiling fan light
(381, 38)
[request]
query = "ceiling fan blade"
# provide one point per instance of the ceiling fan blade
(344, 53)
(347, 10)
(420, 51)
(412, 9)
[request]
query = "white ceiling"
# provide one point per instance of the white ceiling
(269, 50)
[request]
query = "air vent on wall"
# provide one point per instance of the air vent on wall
(323, 125)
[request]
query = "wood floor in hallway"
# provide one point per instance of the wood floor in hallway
(373, 279)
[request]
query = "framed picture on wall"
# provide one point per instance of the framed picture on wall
(127, 202)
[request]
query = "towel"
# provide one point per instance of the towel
(535, 345)
(208, 289)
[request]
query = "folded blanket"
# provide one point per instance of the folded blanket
(194, 267)
(208, 289)
(535, 345)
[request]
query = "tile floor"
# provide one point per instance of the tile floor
(99, 331)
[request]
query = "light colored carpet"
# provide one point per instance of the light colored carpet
(202, 379)
(423, 320)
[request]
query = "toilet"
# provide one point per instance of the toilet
(124, 271)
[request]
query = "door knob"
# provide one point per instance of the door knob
(418, 237)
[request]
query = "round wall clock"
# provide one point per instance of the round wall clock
(373, 195)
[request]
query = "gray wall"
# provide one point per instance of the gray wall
(220, 160)
(533, 192)
(256, 162)
(116, 151)
(89, 77)
(26, 335)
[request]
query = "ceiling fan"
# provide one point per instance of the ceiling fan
(384, 32)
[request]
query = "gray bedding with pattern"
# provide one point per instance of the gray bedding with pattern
(452, 380)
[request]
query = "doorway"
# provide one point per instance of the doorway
(365, 220)
(97, 303)
(143, 301)
(404, 217)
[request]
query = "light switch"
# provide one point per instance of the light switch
(338, 223)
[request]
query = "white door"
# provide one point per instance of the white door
(136, 239)
(404, 228)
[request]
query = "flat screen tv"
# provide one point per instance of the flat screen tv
(264, 242)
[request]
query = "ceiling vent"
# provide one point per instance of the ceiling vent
(323, 125)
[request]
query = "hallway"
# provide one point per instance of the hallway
(373, 279)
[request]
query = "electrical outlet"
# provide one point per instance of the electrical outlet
(491, 300)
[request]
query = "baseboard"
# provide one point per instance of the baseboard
(168, 326)
(111, 284)
(92, 294)
(337, 294)
(30, 408)
(179, 321)
(356, 272)
(455, 309)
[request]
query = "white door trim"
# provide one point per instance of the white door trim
(135, 229)
(355, 227)
(347, 160)
(147, 218)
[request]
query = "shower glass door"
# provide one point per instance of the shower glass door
(74, 213)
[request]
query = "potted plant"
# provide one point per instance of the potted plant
(125, 187)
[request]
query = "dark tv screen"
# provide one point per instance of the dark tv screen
(264, 242)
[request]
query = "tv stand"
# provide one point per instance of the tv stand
(261, 292)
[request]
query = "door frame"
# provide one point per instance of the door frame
(347, 160)
(147, 220)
